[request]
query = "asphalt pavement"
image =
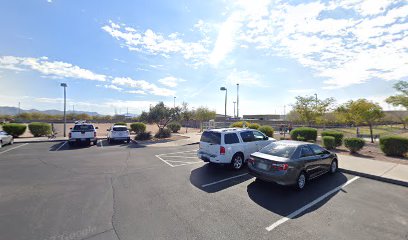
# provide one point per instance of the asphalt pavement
(128, 191)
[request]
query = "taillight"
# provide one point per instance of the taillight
(222, 150)
(251, 160)
(280, 166)
(69, 135)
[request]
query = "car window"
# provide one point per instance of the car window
(83, 127)
(306, 151)
(258, 136)
(231, 138)
(279, 150)
(211, 137)
(247, 136)
(3, 133)
(119, 129)
(317, 150)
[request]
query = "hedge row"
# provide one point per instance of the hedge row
(338, 137)
(329, 142)
(354, 144)
(304, 134)
(39, 129)
(394, 146)
(14, 129)
(267, 130)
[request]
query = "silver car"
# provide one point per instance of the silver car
(291, 163)
(5, 138)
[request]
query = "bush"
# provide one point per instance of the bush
(163, 133)
(354, 144)
(254, 125)
(329, 142)
(174, 127)
(338, 137)
(39, 129)
(121, 123)
(394, 145)
(14, 129)
(143, 136)
(239, 124)
(138, 127)
(308, 134)
(267, 130)
(300, 138)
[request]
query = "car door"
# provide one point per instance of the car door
(249, 145)
(260, 140)
(310, 160)
(323, 157)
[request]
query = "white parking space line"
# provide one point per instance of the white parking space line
(13, 148)
(178, 157)
(158, 156)
(61, 146)
(307, 206)
(176, 152)
(223, 180)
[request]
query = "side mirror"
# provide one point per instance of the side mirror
(266, 138)
(96, 127)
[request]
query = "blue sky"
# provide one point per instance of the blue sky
(130, 54)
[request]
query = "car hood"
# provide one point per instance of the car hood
(269, 157)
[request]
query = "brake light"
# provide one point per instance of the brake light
(222, 150)
(69, 135)
(280, 166)
(251, 160)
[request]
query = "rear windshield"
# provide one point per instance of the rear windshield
(279, 150)
(119, 129)
(83, 128)
(211, 137)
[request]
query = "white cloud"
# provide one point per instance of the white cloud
(171, 81)
(55, 69)
(143, 85)
(137, 92)
(245, 78)
(111, 86)
(301, 91)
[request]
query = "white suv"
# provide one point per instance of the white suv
(231, 145)
(118, 133)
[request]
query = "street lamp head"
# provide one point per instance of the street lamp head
(64, 85)
(223, 88)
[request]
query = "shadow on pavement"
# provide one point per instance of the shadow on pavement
(211, 173)
(285, 200)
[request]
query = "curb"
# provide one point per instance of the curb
(50, 140)
(375, 177)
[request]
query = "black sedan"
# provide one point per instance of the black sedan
(291, 163)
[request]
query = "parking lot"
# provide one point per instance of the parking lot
(131, 191)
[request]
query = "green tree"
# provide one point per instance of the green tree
(361, 111)
(162, 115)
(203, 114)
(310, 109)
(402, 98)
(186, 114)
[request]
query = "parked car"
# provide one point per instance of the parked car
(82, 133)
(292, 163)
(118, 133)
(231, 145)
(5, 138)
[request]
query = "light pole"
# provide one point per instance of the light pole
(234, 108)
(226, 91)
(174, 105)
(64, 85)
(316, 98)
(237, 100)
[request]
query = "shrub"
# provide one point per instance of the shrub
(239, 124)
(163, 133)
(329, 142)
(143, 136)
(354, 144)
(338, 137)
(267, 130)
(307, 133)
(138, 127)
(174, 127)
(300, 138)
(394, 145)
(120, 123)
(14, 129)
(254, 125)
(39, 129)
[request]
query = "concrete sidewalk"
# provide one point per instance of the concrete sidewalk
(378, 170)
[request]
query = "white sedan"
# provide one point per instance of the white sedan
(5, 138)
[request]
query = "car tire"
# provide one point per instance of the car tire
(301, 181)
(95, 142)
(1, 144)
(334, 166)
(128, 141)
(71, 144)
(237, 161)
(12, 141)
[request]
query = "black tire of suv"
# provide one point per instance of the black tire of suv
(237, 157)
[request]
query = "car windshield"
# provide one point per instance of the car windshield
(211, 137)
(83, 127)
(119, 129)
(279, 150)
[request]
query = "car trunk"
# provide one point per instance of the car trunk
(268, 162)
(210, 143)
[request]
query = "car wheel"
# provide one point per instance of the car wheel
(95, 142)
(128, 141)
(301, 181)
(237, 162)
(333, 166)
(70, 144)
(1, 144)
(12, 141)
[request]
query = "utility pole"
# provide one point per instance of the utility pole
(19, 109)
(226, 92)
(234, 108)
(64, 85)
(174, 105)
(316, 98)
(237, 100)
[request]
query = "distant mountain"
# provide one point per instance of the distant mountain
(4, 110)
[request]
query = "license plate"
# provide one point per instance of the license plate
(262, 166)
